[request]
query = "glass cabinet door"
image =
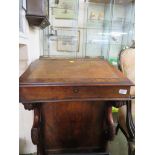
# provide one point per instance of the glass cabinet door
(122, 27)
(97, 29)
(88, 28)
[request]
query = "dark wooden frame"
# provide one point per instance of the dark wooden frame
(129, 120)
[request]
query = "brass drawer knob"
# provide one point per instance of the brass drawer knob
(75, 90)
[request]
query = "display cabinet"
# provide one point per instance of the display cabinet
(37, 13)
(88, 29)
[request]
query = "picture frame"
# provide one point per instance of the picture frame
(68, 40)
(95, 13)
(66, 9)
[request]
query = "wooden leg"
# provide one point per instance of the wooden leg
(131, 129)
(129, 121)
(40, 150)
(131, 148)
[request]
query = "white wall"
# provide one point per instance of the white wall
(28, 51)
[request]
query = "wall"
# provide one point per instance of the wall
(29, 50)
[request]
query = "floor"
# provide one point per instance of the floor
(118, 146)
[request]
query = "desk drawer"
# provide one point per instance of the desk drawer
(70, 93)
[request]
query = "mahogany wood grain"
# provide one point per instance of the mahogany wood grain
(81, 124)
(72, 102)
(68, 72)
(64, 93)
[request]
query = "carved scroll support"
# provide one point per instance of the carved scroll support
(36, 131)
(110, 123)
(110, 131)
(29, 106)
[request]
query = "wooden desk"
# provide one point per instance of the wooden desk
(72, 102)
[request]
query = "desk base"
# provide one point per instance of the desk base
(71, 127)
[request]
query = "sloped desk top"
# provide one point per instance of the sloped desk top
(67, 80)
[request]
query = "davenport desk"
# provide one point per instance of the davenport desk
(72, 102)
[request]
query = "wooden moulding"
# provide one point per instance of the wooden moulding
(55, 94)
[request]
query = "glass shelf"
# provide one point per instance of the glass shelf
(87, 29)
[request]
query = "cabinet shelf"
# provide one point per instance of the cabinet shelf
(108, 22)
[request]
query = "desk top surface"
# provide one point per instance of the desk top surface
(73, 72)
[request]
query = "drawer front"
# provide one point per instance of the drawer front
(69, 93)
